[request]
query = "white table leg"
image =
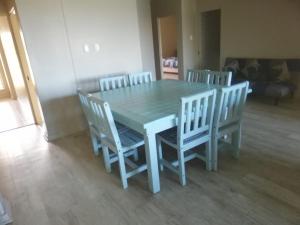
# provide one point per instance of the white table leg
(152, 163)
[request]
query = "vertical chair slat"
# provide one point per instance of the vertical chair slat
(110, 83)
(209, 77)
(197, 113)
(204, 114)
(140, 78)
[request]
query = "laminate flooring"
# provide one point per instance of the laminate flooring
(63, 183)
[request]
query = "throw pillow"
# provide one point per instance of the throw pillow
(279, 70)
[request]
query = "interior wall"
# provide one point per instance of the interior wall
(168, 34)
(262, 29)
(55, 43)
(189, 47)
(146, 36)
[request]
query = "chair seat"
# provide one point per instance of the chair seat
(130, 139)
(170, 136)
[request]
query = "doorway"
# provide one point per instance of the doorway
(20, 107)
(211, 39)
(167, 27)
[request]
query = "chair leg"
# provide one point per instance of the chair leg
(106, 159)
(208, 154)
(215, 153)
(122, 170)
(160, 155)
(236, 142)
(276, 101)
(136, 155)
(181, 168)
(95, 144)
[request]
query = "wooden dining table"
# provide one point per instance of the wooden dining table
(149, 109)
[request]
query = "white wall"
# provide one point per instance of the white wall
(146, 35)
(55, 32)
(257, 28)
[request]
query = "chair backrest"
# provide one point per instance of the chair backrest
(196, 116)
(104, 121)
(110, 83)
(85, 104)
(140, 78)
(219, 77)
(230, 105)
(200, 76)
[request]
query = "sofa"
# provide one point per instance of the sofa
(267, 77)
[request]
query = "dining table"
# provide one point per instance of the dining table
(149, 109)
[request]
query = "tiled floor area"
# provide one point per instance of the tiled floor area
(14, 114)
(62, 183)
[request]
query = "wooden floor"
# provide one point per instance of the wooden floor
(170, 76)
(62, 183)
(15, 114)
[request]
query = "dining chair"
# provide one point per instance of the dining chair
(209, 77)
(94, 132)
(117, 145)
(194, 75)
(195, 119)
(219, 77)
(228, 118)
(140, 78)
(113, 82)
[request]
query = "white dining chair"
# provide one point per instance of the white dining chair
(194, 75)
(94, 132)
(209, 77)
(113, 82)
(195, 118)
(117, 145)
(219, 77)
(140, 78)
(228, 118)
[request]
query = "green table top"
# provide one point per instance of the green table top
(139, 105)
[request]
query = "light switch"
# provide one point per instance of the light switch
(191, 37)
(97, 47)
(86, 48)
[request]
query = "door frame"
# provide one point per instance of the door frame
(4, 93)
(160, 45)
(16, 29)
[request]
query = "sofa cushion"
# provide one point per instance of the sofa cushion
(279, 70)
(252, 70)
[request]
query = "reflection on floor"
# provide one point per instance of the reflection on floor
(14, 114)
(170, 76)
(64, 183)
